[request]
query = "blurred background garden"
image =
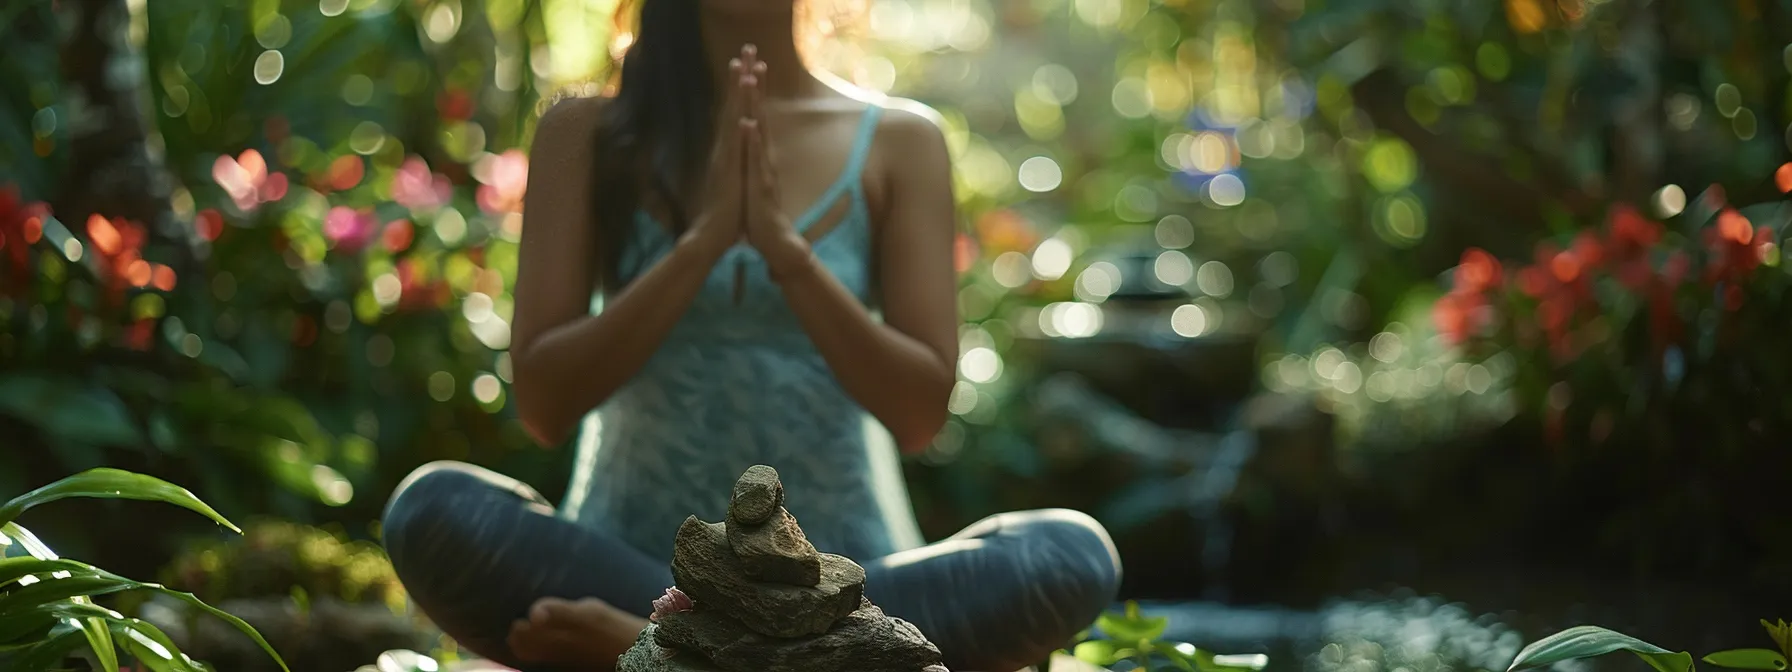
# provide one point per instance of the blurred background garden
(1324, 307)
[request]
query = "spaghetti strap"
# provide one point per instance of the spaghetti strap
(848, 183)
(861, 144)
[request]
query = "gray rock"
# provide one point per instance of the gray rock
(648, 656)
(864, 641)
(757, 495)
(705, 568)
(775, 550)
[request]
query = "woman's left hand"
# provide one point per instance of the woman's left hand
(768, 228)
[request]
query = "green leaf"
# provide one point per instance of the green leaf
(152, 647)
(1781, 634)
(1587, 641)
(1101, 652)
(114, 484)
(69, 410)
(93, 581)
(14, 533)
(99, 638)
(1132, 627)
(1748, 659)
(50, 652)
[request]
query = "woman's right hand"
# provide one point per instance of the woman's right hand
(720, 221)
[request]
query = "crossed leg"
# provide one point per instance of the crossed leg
(486, 558)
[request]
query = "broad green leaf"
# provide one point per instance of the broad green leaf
(1748, 659)
(15, 533)
(99, 638)
(238, 623)
(114, 484)
(1132, 627)
(1587, 641)
(48, 653)
(69, 409)
(13, 569)
(1781, 634)
(22, 629)
(1101, 652)
(94, 581)
(1184, 655)
(152, 647)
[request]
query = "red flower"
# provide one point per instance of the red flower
(1457, 315)
(1736, 246)
(1465, 311)
(209, 223)
(140, 334)
(1560, 281)
(455, 104)
(21, 225)
(1478, 272)
(398, 235)
(419, 289)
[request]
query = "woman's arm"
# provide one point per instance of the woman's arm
(565, 360)
(903, 369)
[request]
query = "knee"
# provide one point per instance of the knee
(421, 503)
(1088, 570)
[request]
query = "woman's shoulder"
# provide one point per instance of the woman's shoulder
(909, 126)
(905, 113)
(569, 115)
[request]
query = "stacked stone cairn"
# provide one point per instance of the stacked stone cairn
(754, 595)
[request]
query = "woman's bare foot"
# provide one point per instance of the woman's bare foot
(586, 634)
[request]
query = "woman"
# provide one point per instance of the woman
(734, 331)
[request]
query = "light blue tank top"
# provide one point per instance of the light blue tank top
(738, 383)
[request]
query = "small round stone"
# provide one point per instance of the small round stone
(757, 495)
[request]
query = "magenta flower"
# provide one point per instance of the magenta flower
(506, 177)
(348, 229)
(414, 187)
(672, 602)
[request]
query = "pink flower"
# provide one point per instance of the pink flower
(672, 602)
(506, 177)
(247, 180)
(348, 229)
(414, 187)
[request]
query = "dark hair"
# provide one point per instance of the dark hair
(656, 130)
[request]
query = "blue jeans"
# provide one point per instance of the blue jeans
(475, 549)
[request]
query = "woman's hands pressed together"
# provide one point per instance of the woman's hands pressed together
(766, 226)
(721, 220)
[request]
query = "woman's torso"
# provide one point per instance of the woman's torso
(737, 383)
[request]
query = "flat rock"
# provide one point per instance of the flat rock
(757, 495)
(648, 656)
(705, 568)
(775, 550)
(866, 640)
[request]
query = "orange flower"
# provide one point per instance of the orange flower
(118, 247)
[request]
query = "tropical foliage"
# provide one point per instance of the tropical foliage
(47, 609)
